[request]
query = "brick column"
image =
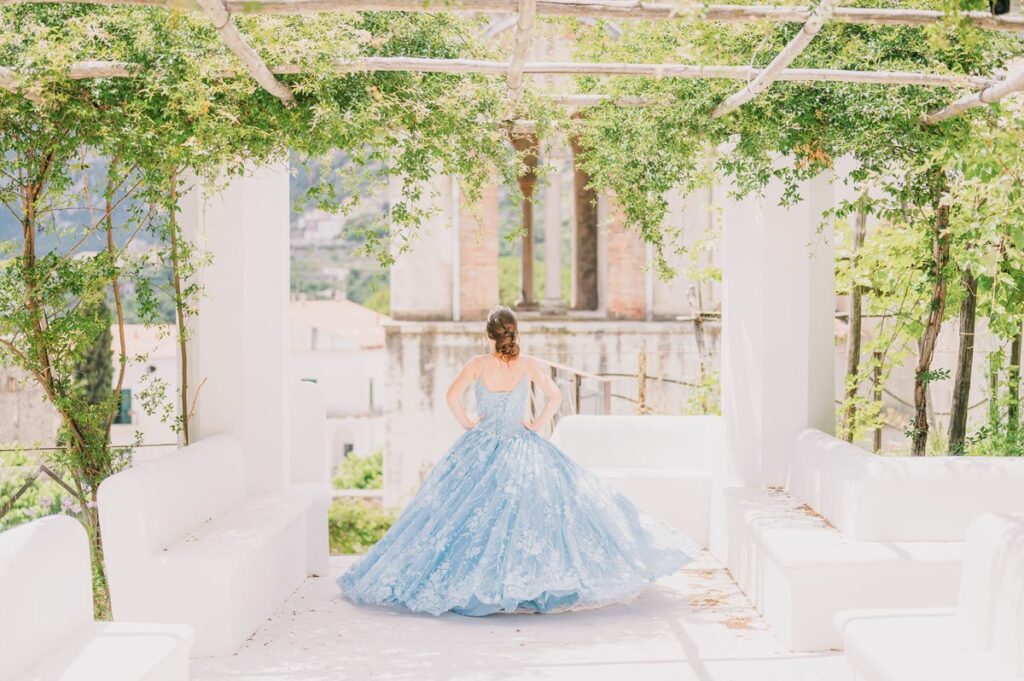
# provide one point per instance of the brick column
(585, 237)
(625, 278)
(527, 146)
(478, 255)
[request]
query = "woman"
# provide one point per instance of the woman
(506, 522)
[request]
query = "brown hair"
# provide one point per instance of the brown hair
(503, 329)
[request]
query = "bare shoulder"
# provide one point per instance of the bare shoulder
(530, 364)
(475, 364)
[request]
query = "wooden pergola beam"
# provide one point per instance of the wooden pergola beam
(521, 47)
(791, 51)
(220, 15)
(428, 65)
(610, 9)
(1014, 82)
(585, 100)
(9, 81)
(114, 69)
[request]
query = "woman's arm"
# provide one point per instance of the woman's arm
(457, 388)
(551, 392)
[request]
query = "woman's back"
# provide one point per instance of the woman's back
(501, 391)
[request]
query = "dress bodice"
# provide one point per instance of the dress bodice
(502, 412)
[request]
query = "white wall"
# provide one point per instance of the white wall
(238, 349)
(696, 216)
(421, 277)
(778, 329)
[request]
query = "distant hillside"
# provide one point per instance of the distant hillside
(70, 221)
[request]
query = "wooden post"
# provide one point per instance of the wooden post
(606, 397)
(641, 382)
(994, 368)
(577, 381)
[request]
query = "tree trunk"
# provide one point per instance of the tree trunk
(179, 309)
(853, 334)
(1013, 385)
(964, 366)
(876, 395)
(936, 311)
(122, 355)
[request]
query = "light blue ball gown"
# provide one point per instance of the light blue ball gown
(506, 522)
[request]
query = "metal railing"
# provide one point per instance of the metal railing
(578, 397)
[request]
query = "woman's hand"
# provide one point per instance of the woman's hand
(470, 425)
(535, 426)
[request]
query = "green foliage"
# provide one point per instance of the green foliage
(371, 289)
(510, 290)
(95, 369)
(178, 113)
(989, 441)
(43, 497)
(379, 301)
(706, 396)
(355, 525)
(640, 153)
(360, 472)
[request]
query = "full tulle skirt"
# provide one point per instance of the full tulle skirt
(508, 523)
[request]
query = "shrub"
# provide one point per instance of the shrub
(361, 472)
(355, 525)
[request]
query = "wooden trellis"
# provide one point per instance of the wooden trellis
(220, 12)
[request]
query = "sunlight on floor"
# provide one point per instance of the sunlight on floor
(694, 625)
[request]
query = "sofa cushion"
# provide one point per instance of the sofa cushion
(991, 606)
(114, 651)
(229, 540)
(913, 645)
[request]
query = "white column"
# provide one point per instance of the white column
(553, 302)
(778, 328)
(421, 276)
(238, 347)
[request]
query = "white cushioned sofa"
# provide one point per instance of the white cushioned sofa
(857, 530)
(186, 543)
(47, 631)
(981, 639)
(660, 462)
(185, 540)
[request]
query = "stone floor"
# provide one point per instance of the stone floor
(694, 625)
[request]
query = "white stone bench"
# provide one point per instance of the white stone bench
(47, 631)
(185, 542)
(309, 468)
(982, 639)
(660, 462)
(856, 530)
(901, 498)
